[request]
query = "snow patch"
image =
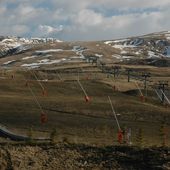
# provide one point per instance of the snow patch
(44, 40)
(136, 42)
(117, 56)
(167, 36)
(121, 58)
(99, 55)
(115, 41)
(123, 52)
(168, 51)
(126, 57)
(9, 62)
(32, 65)
(26, 58)
(7, 41)
(137, 53)
(79, 51)
(108, 42)
(151, 54)
(119, 46)
(122, 40)
(48, 51)
(34, 56)
(43, 62)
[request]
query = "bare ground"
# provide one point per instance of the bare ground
(76, 157)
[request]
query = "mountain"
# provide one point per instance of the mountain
(155, 45)
(14, 45)
(40, 52)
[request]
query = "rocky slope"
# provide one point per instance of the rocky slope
(68, 156)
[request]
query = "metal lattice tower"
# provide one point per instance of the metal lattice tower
(146, 75)
(162, 86)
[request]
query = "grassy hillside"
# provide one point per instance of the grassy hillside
(79, 121)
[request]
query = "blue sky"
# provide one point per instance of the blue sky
(83, 19)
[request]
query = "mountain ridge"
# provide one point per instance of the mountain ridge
(154, 46)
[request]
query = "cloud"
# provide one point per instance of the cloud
(2, 10)
(87, 18)
(20, 29)
(15, 30)
(83, 20)
(46, 30)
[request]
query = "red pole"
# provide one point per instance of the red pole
(120, 136)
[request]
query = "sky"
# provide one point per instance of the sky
(83, 19)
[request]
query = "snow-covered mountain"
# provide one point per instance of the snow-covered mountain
(48, 52)
(12, 45)
(155, 45)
